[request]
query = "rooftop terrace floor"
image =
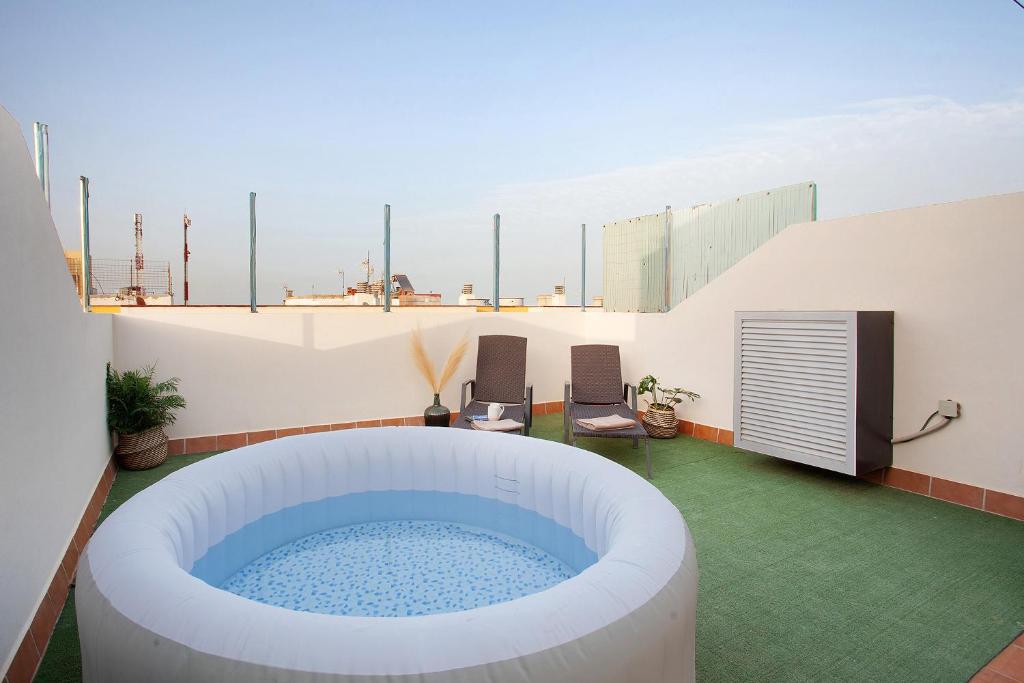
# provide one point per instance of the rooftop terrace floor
(805, 575)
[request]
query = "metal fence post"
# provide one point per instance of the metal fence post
(387, 258)
(668, 258)
(252, 252)
(42, 144)
(86, 261)
(497, 259)
(583, 267)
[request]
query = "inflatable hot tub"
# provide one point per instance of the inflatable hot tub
(601, 583)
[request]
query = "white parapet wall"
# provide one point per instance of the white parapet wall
(952, 273)
(287, 366)
(52, 405)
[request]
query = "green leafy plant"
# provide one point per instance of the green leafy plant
(136, 402)
(668, 399)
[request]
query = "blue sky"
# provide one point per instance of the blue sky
(551, 113)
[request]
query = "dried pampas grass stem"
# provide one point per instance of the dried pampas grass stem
(452, 364)
(420, 358)
(426, 366)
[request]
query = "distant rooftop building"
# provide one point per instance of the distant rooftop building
(368, 293)
(404, 294)
(556, 299)
(467, 298)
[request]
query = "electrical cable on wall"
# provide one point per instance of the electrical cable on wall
(948, 411)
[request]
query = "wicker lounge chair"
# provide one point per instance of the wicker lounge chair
(500, 378)
(597, 390)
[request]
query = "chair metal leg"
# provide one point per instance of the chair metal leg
(636, 441)
(647, 456)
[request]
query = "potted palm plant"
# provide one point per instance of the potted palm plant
(660, 419)
(138, 408)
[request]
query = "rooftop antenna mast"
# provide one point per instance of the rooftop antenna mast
(186, 224)
(139, 260)
(369, 268)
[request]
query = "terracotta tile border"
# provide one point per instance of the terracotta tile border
(228, 441)
(200, 444)
(705, 433)
(316, 428)
(906, 480)
(955, 492)
(223, 442)
(257, 437)
(33, 645)
(1004, 504)
(966, 495)
(1005, 667)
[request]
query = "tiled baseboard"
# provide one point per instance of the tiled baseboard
(706, 432)
(33, 645)
(1005, 667)
(996, 502)
(223, 442)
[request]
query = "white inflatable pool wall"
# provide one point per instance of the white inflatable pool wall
(628, 617)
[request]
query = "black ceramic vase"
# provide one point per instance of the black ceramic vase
(437, 415)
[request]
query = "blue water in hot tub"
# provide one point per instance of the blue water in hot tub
(395, 553)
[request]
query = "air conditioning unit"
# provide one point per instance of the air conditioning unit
(815, 387)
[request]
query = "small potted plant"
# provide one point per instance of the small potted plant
(660, 419)
(138, 408)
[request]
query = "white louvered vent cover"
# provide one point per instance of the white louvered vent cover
(795, 386)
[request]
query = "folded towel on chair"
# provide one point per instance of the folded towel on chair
(506, 425)
(606, 424)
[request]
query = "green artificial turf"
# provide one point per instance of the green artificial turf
(804, 575)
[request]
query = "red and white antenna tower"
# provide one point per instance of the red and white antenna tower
(186, 223)
(139, 261)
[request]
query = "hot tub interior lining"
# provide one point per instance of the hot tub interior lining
(276, 529)
(402, 568)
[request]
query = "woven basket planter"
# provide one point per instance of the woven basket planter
(661, 424)
(141, 451)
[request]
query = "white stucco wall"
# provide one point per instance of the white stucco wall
(952, 273)
(52, 406)
(285, 367)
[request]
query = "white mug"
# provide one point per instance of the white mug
(494, 411)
